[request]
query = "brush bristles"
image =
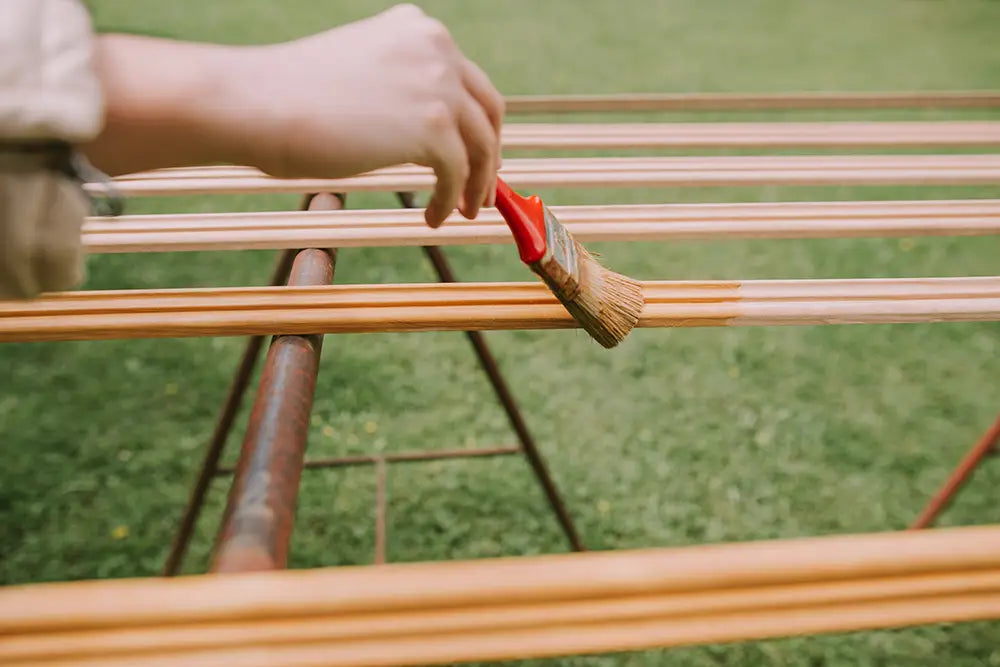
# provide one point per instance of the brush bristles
(607, 305)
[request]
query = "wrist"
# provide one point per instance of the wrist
(233, 113)
(213, 106)
(253, 121)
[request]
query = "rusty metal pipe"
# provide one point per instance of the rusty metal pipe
(257, 524)
(258, 520)
(210, 464)
(399, 457)
(234, 399)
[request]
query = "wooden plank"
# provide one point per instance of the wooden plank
(597, 136)
(640, 222)
(714, 171)
(957, 99)
(441, 612)
(485, 306)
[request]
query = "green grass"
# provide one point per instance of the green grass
(678, 437)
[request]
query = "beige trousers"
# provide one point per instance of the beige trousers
(49, 93)
(41, 213)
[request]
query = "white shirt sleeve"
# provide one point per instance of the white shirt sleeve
(48, 86)
(49, 93)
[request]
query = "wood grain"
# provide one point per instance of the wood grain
(78, 605)
(436, 612)
(640, 222)
(594, 136)
(552, 641)
(484, 306)
(943, 99)
(666, 609)
(687, 171)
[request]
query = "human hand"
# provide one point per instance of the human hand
(390, 89)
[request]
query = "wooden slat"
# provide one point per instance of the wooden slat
(544, 640)
(958, 99)
(677, 618)
(441, 612)
(472, 306)
(604, 172)
(66, 606)
(541, 165)
(655, 222)
(594, 136)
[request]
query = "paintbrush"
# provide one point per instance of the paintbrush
(606, 304)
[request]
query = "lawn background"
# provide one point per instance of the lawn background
(677, 437)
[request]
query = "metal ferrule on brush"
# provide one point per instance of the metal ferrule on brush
(607, 305)
(560, 266)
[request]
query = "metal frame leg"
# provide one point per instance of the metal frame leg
(210, 464)
(958, 477)
(502, 391)
(257, 524)
(231, 405)
(381, 470)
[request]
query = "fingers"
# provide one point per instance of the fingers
(465, 150)
(450, 162)
(482, 89)
(461, 133)
(481, 147)
(484, 92)
(465, 162)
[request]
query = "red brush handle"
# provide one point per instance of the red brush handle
(526, 218)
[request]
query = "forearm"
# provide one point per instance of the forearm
(169, 104)
(390, 89)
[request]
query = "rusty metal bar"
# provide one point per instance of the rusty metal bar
(380, 511)
(210, 464)
(398, 457)
(234, 399)
(259, 515)
(958, 477)
(258, 520)
(506, 398)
